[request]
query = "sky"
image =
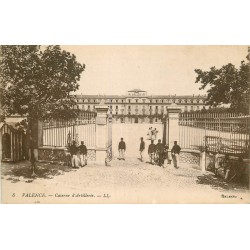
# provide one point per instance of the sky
(159, 70)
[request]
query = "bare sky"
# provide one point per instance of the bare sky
(156, 69)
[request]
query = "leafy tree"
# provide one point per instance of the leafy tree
(37, 82)
(228, 85)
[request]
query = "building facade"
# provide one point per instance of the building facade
(139, 107)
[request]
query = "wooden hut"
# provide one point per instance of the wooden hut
(12, 143)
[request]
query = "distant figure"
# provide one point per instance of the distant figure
(175, 151)
(73, 151)
(142, 147)
(160, 152)
(149, 134)
(83, 154)
(121, 149)
(151, 152)
(154, 134)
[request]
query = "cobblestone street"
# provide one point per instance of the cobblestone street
(129, 181)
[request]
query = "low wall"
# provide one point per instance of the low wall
(190, 156)
(60, 154)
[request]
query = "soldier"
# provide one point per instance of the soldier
(73, 152)
(175, 151)
(142, 147)
(160, 152)
(83, 154)
(151, 152)
(121, 149)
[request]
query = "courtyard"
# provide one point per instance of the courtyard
(129, 181)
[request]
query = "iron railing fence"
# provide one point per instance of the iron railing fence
(227, 132)
(61, 132)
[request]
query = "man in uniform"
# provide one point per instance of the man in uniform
(151, 152)
(73, 152)
(142, 147)
(160, 152)
(175, 151)
(121, 149)
(83, 154)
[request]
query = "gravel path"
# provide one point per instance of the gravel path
(129, 181)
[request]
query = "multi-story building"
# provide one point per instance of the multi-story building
(138, 107)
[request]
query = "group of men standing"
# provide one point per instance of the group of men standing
(78, 155)
(158, 153)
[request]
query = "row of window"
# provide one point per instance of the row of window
(144, 101)
(150, 107)
(136, 108)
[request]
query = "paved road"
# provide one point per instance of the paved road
(129, 181)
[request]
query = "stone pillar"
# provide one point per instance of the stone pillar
(101, 133)
(172, 132)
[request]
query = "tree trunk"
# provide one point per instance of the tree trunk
(31, 146)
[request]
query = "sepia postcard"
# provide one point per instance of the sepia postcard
(124, 124)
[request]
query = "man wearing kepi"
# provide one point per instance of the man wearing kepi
(159, 149)
(73, 152)
(151, 152)
(83, 154)
(142, 147)
(121, 149)
(175, 151)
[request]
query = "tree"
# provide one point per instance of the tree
(228, 85)
(37, 82)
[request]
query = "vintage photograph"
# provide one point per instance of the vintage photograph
(124, 124)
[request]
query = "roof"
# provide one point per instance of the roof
(136, 90)
(11, 125)
(148, 96)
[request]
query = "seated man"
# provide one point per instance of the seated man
(227, 166)
(218, 162)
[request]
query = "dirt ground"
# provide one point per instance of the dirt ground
(129, 181)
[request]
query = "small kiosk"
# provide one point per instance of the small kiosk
(12, 143)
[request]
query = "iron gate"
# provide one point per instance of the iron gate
(61, 133)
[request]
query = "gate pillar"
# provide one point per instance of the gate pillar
(101, 133)
(173, 125)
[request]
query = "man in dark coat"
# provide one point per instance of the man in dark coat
(160, 152)
(121, 149)
(141, 149)
(83, 154)
(151, 152)
(175, 151)
(73, 152)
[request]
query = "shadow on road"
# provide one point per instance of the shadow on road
(218, 183)
(16, 172)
